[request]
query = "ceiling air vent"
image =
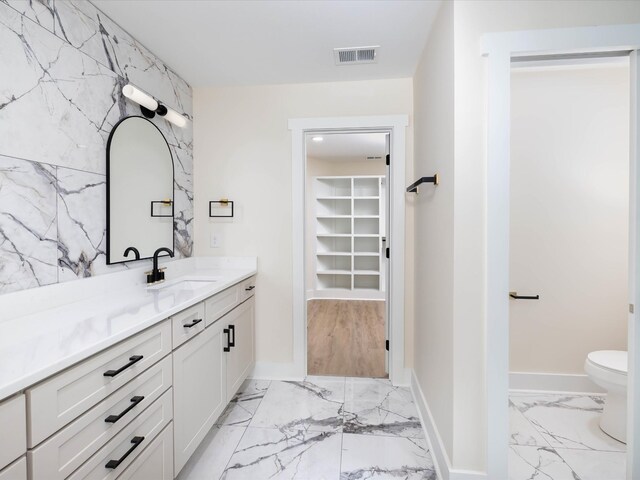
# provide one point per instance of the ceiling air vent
(355, 55)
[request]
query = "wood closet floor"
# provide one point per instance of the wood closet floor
(346, 338)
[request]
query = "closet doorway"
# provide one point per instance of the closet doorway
(346, 230)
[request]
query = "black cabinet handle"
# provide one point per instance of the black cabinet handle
(192, 324)
(232, 328)
(116, 463)
(132, 360)
(114, 418)
(228, 347)
(248, 289)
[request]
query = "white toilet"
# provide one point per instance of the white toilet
(608, 369)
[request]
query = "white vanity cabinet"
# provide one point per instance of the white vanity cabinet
(209, 368)
(199, 393)
(139, 408)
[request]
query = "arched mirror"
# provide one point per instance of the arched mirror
(139, 191)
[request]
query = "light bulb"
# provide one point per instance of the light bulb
(139, 97)
(175, 118)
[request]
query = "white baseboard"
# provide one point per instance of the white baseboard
(276, 371)
(434, 441)
(552, 382)
(345, 295)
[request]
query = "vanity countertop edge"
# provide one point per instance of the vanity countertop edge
(40, 363)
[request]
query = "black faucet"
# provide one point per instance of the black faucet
(157, 275)
(135, 251)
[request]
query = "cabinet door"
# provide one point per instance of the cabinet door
(199, 390)
(240, 358)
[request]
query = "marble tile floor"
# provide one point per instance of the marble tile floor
(557, 437)
(324, 428)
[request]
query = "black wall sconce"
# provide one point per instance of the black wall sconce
(149, 106)
(222, 203)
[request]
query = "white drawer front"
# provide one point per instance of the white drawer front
(61, 399)
(59, 456)
(247, 288)
(187, 324)
(156, 461)
(15, 471)
(13, 418)
(221, 303)
(125, 447)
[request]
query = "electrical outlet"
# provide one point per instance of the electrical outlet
(216, 240)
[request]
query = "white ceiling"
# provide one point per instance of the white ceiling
(249, 42)
(346, 146)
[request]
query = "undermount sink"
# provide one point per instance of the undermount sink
(191, 284)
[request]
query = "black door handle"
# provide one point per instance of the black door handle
(228, 347)
(132, 360)
(114, 418)
(192, 324)
(232, 328)
(116, 463)
(515, 296)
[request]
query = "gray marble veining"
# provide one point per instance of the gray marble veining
(28, 228)
(557, 437)
(64, 65)
(294, 432)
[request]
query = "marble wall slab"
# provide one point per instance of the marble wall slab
(64, 64)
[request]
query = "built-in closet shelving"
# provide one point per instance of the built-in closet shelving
(349, 216)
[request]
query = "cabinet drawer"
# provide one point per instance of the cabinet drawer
(126, 446)
(155, 462)
(13, 418)
(59, 400)
(15, 471)
(187, 323)
(247, 288)
(59, 456)
(221, 303)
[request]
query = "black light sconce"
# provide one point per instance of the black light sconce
(149, 106)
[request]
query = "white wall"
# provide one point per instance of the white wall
(569, 215)
(242, 149)
(450, 306)
(319, 167)
(433, 111)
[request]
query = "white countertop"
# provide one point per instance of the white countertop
(42, 343)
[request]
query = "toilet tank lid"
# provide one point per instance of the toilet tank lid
(612, 359)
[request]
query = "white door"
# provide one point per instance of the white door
(198, 390)
(240, 358)
(386, 245)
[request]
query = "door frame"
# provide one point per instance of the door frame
(500, 49)
(396, 125)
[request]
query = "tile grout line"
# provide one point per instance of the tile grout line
(235, 449)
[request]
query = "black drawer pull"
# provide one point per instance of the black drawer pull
(114, 418)
(228, 347)
(132, 360)
(232, 343)
(116, 463)
(192, 324)
(248, 289)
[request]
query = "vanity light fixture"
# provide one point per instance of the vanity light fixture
(150, 106)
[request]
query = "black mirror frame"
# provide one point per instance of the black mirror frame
(108, 173)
